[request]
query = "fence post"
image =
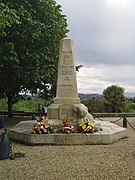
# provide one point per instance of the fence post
(1, 121)
(125, 122)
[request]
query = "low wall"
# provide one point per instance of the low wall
(22, 113)
(114, 114)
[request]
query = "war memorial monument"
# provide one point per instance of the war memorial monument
(67, 105)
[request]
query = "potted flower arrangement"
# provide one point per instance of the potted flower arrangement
(65, 128)
(42, 126)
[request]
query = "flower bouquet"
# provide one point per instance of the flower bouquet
(42, 127)
(86, 127)
(65, 128)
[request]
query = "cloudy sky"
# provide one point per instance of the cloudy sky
(103, 34)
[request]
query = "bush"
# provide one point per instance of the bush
(29, 105)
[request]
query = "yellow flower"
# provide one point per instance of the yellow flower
(83, 125)
(92, 125)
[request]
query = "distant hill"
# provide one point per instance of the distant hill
(129, 95)
(89, 96)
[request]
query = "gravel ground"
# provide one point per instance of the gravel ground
(81, 162)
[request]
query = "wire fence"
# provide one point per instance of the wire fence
(131, 125)
(110, 121)
(97, 115)
(127, 121)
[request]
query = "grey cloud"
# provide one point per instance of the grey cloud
(103, 35)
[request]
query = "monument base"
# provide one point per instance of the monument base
(69, 100)
(110, 133)
(62, 111)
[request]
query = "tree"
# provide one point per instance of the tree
(94, 104)
(29, 48)
(113, 99)
(78, 67)
(8, 17)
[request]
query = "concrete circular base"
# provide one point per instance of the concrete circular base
(111, 133)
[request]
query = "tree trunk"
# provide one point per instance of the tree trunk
(10, 104)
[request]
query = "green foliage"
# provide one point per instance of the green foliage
(93, 104)
(129, 107)
(8, 17)
(3, 105)
(30, 105)
(29, 47)
(113, 99)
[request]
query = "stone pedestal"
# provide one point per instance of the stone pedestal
(111, 133)
(67, 94)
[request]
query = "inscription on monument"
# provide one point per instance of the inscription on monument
(65, 112)
(66, 71)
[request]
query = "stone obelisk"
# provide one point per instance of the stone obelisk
(67, 93)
